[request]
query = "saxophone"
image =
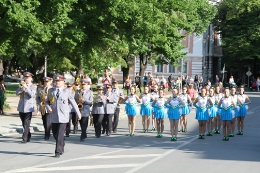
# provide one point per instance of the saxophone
(80, 105)
(51, 98)
(43, 101)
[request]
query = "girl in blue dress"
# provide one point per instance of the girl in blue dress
(218, 96)
(202, 114)
(174, 103)
(131, 110)
(226, 104)
(242, 98)
(212, 111)
(233, 95)
(160, 112)
(186, 108)
(146, 108)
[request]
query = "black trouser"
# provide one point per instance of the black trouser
(169, 86)
(58, 130)
(83, 125)
(108, 123)
(116, 119)
(26, 121)
(46, 119)
(97, 121)
(74, 118)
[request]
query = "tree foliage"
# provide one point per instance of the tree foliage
(91, 35)
(238, 23)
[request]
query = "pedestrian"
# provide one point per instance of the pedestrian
(174, 104)
(57, 104)
(146, 108)
(98, 110)
(241, 99)
(199, 88)
(217, 79)
(202, 114)
(234, 96)
(157, 80)
(131, 109)
(218, 96)
(120, 95)
(226, 105)
(155, 96)
(212, 112)
(185, 109)
(106, 80)
(72, 110)
(2, 95)
(170, 82)
(191, 92)
(111, 101)
(145, 79)
(41, 97)
(26, 91)
(160, 112)
(163, 82)
(85, 101)
(127, 84)
(138, 82)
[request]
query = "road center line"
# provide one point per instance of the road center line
(159, 157)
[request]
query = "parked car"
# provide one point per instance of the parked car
(12, 79)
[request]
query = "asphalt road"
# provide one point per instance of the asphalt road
(141, 153)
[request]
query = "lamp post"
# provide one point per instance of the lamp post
(181, 72)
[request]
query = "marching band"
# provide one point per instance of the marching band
(60, 104)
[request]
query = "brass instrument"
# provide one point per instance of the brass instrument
(43, 101)
(21, 86)
(51, 98)
(80, 105)
(96, 98)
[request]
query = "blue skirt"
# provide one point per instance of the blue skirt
(218, 111)
(159, 112)
(131, 110)
(174, 114)
(185, 110)
(226, 115)
(201, 114)
(146, 110)
(213, 112)
(237, 112)
(242, 111)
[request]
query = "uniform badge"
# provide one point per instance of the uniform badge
(64, 101)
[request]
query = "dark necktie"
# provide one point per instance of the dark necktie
(57, 95)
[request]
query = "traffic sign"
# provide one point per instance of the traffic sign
(248, 73)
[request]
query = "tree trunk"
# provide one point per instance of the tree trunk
(125, 73)
(6, 65)
(143, 66)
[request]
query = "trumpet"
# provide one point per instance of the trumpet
(21, 84)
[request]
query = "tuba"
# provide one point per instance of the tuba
(80, 105)
(43, 101)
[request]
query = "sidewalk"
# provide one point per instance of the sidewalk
(10, 122)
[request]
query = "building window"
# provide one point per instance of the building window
(184, 67)
(171, 69)
(160, 68)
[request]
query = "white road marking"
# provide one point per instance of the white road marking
(75, 168)
(123, 156)
(159, 157)
(250, 112)
(255, 108)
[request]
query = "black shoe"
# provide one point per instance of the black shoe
(46, 139)
(74, 131)
(57, 155)
(98, 136)
(23, 142)
(85, 136)
(67, 135)
(28, 140)
(103, 131)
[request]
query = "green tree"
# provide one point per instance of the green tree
(238, 23)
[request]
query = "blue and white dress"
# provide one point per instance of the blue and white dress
(155, 95)
(242, 107)
(159, 109)
(174, 111)
(234, 97)
(130, 107)
(186, 107)
(218, 97)
(201, 109)
(146, 108)
(226, 109)
(212, 109)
